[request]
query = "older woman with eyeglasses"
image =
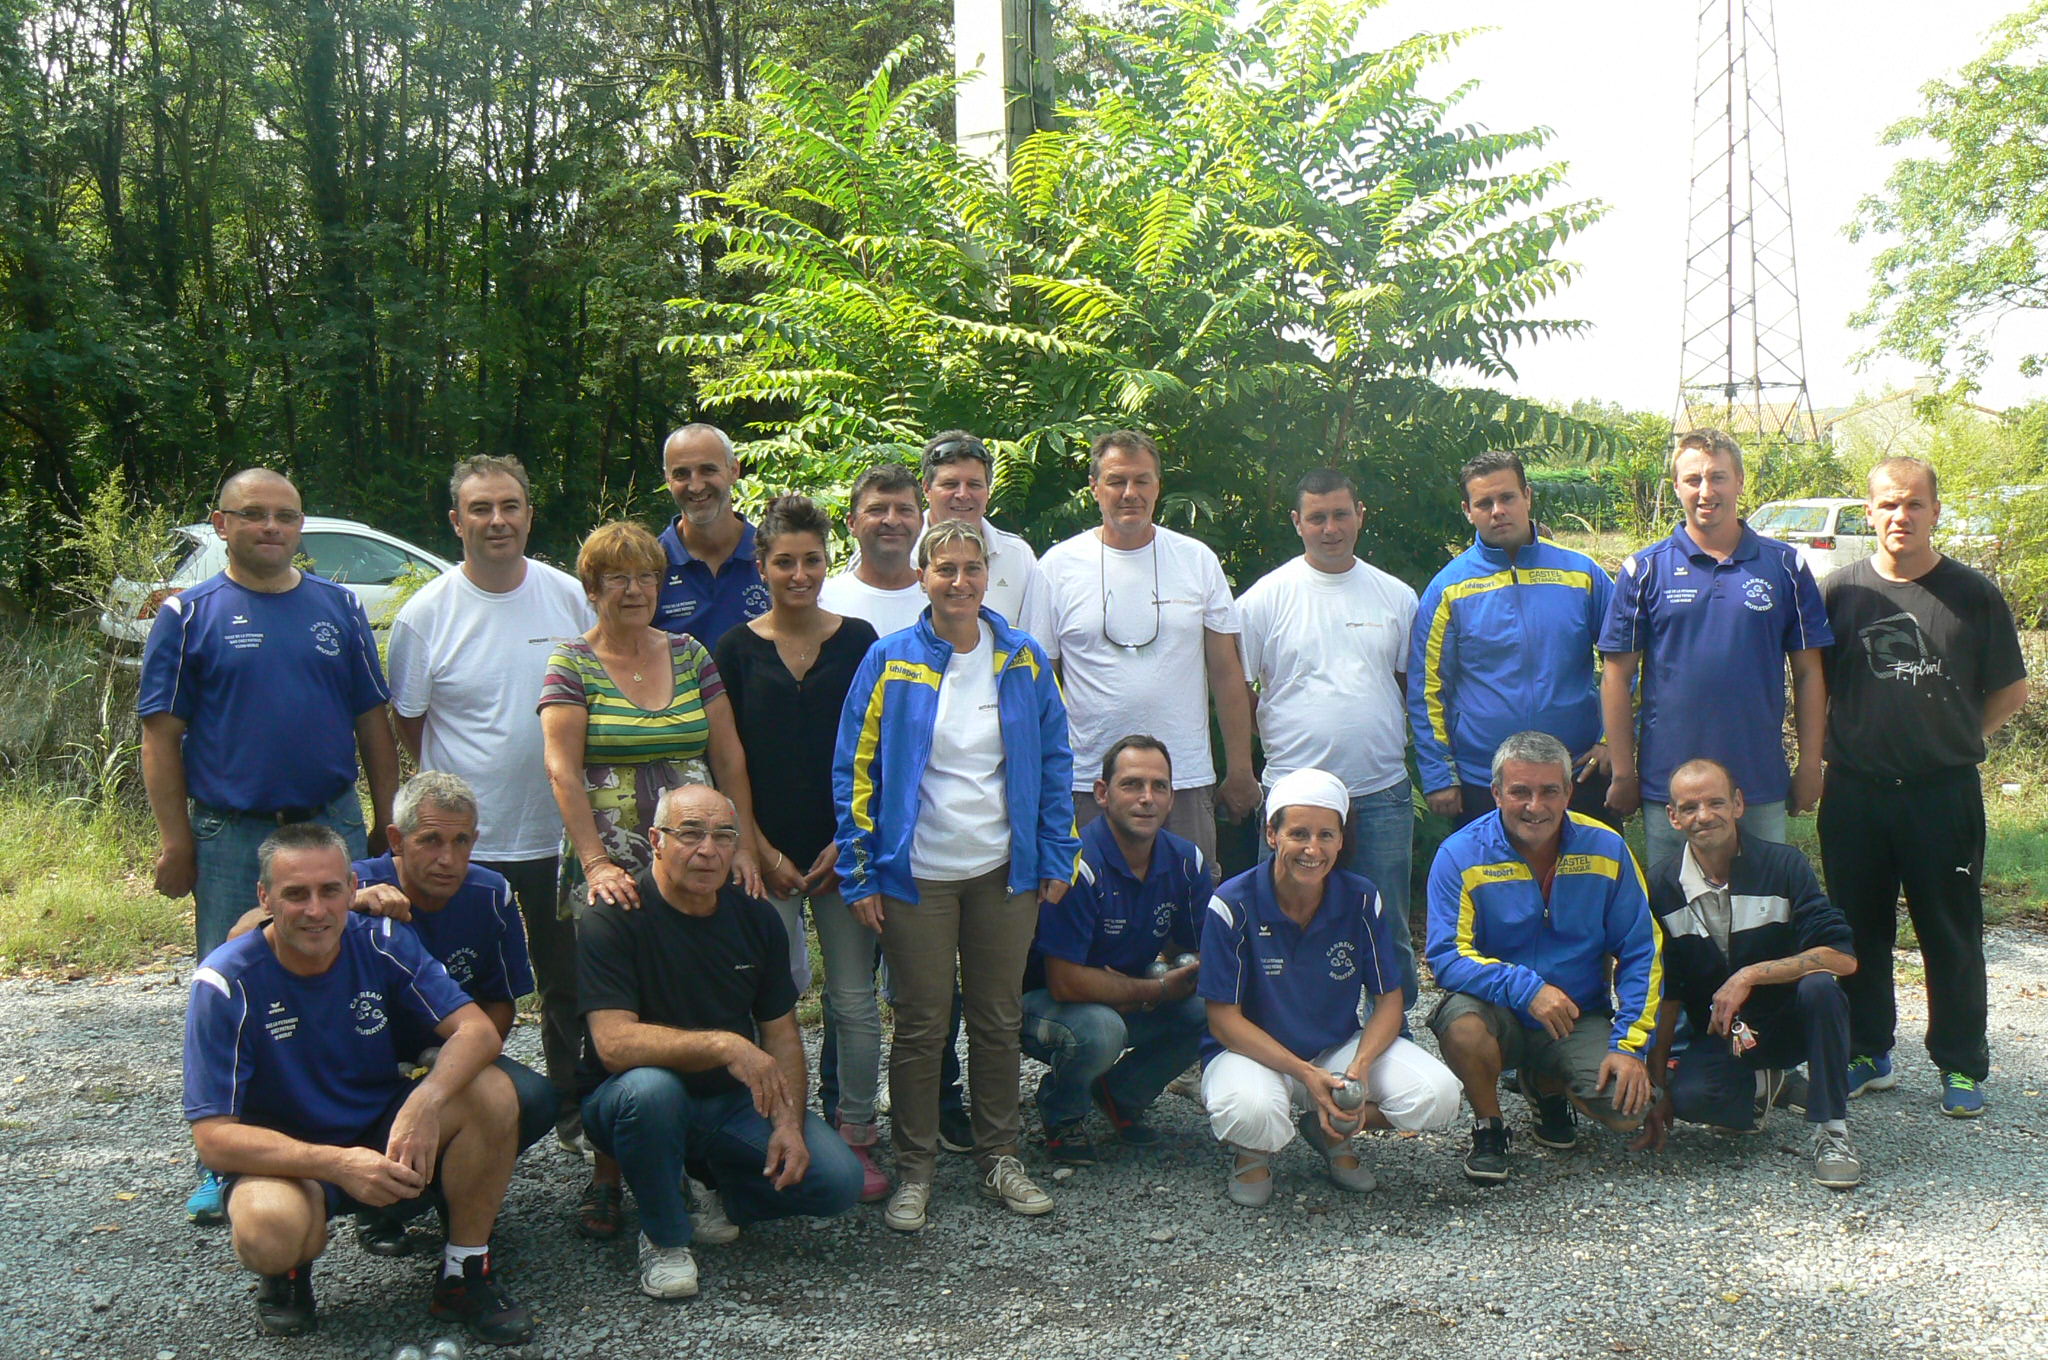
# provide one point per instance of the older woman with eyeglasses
(628, 711)
(952, 780)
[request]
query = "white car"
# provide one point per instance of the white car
(368, 561)
(1827, 531)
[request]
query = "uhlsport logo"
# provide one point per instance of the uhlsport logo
(1757, 594)
(1342, 965)
(326, 638)
(367, 1010)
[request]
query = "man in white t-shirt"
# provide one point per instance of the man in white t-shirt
(467, 655)
(958, 473)
(1144, 621)
(880, 586)
(1326, 651)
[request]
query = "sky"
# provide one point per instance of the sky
(1613, 79)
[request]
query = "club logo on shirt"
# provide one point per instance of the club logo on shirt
(1757, 595)
(1680, 594)
(756, 599)
(1897, 650)
(367, 1010)
(1342, 966)
(461, 965)
(326, 639)
(1162, 919)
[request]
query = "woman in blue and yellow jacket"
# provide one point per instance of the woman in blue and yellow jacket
(952, 779)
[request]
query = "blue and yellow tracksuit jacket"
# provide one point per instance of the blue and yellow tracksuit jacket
(1492, 935)
(885, 740)
(1501, 648)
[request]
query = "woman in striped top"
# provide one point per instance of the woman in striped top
(627, 711)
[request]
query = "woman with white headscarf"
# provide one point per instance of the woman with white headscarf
(1289, 950)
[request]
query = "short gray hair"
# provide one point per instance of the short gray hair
(448, 792)
(297, 836)
(669, 795)
(1532, 748)
(695, 428)
(943, 535)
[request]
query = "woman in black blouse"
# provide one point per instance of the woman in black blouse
(786, 674)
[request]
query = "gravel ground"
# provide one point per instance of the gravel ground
(1722, 1247)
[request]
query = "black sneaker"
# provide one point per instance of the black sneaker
(1130, 1126)
(1788, 1091)
(956, 1131)
(1488, 1159)
(380, 1234)
(1069, 1143)
(477, 1300)
(1556, 1125)
(284, 1303)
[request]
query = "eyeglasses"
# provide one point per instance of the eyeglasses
(619, 580)
(690, 837)
(250, 514)
(1102, 561)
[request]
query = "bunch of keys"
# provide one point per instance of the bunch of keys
(1741, 1038)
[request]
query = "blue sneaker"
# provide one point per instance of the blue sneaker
(209, 1202)
(1871, 1073)
(1961, 1097)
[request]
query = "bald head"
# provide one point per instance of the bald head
(238, 489)
(258, 522)
(700, 468)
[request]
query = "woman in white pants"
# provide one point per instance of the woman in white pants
(1290, 949)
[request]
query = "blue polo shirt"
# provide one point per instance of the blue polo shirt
(1303, 987)
(1713, 637)
(694, 601)
(477, 936)
(269, 687)
(315, 1058)
(1112, 919)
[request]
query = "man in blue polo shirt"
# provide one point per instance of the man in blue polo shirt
(465, 918)
(260, 687)
(713, 581)
(1527, 906)
(1087, 992)
(1291, 950)
(294, 1093)
(1708, 616)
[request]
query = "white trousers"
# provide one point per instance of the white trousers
(1255, 1107)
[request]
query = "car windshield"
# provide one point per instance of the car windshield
(1779, 520)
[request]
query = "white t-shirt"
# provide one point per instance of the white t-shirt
(472, 661)
(886, 611)
(963, 810)
(1147, 670)
(1323, 650)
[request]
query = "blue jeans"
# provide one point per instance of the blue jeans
(225, 846)
(1380, 830)
(649, 1119)
(1082, 1041)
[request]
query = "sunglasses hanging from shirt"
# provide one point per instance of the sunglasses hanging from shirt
(1132, 623)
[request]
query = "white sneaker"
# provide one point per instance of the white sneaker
(906, 1207)
(666, 1272)
(1007, 1182)
(1188, 1086)
(708, 1223)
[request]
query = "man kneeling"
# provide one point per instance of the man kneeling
(1753, 950)
(692, 1049)
(294, 1093)
(1527, 905)
(1288, 948)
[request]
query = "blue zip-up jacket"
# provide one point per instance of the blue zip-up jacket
(885, 739)
(1501, 648)
(1492, 935)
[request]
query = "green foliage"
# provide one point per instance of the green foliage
(75, 896)
(1247, 236)
(1971, 218)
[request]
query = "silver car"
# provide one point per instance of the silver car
(368, 561)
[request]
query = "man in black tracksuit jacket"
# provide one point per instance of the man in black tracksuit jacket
(1752, 953)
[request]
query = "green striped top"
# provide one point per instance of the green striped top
(620, 732)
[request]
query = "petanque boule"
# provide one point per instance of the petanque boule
(1158, 968)
(1186, 960)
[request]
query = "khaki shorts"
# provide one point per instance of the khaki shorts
(1576, 1057)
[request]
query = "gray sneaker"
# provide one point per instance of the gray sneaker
(708, 1223)
(1007, 1184)
(1835, 1163)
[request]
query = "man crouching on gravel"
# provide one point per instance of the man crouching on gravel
(296, 1098)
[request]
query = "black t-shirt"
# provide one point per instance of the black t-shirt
(788, 728)
(1910, 667)
(728, 970)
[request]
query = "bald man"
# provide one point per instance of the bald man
(260, 689)
(713, 581)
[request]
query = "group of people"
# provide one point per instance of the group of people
(986, 780)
